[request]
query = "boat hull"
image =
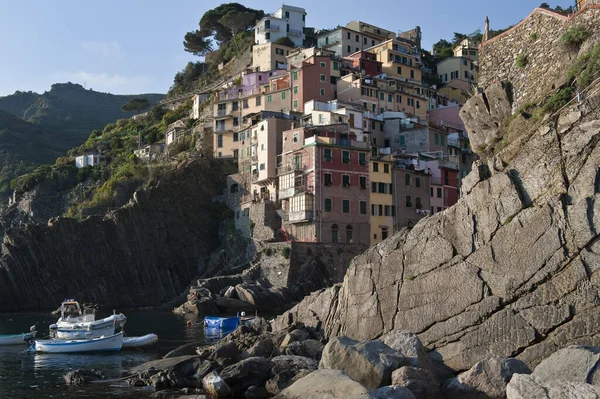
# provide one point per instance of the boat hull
(16, 339)
(77, 328)
(140, 342)
(111, 343)
(83, 333)
(221, 323)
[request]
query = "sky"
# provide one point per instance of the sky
(136, 46)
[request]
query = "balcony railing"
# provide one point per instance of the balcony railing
(295, 32)
(222, 113)
(337, 142)
(270, 28)
(222, 129)
(291, 191)
(284, 169)
(301, 216)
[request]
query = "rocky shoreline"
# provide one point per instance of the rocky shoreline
(256, 362)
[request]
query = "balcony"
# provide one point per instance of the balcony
(291, 191)
(301, 216)
(222, 114)
(268, 28)
(222, 129)
(285, 169)
(318, 140)
(295, 32)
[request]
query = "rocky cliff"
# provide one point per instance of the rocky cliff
(512, 269)
(141, 254)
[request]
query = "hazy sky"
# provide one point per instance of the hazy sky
(135, 46)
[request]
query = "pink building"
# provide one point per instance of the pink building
(315, 79)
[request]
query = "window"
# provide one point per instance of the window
(399, 70)
(295, 104)
(295, 137)
(258, 100)
(334, 233)
(336, 66)
(303, 17)
(381, 127)
(279, 51)
(417, 182)
(362, 158)
(357, 49)
(373, 187)
(442, 139)
(236, 121)
(412, 74)
(295, 75)
(267, 35)
(408, 201)
(381, 96)
(346, 181)
(363, 182)
(348, 35)
(287, 14)
(323, 65)
(387, 210)
(287, 28)
(245, 104)
(235, 137)
(381, 188)
(373, 211)
(372, 42)
(345, 156)
(399, 99)
(418, 104)
(269, 98)
(418, 203)
(439, 192)
(296, 89)
(262, 166)
(219, 141)
(436, 139)
(386, 168)
(345, 206)
(375, 167)
(365, 40)
(349, 234)
(349, 48)
(439, 208)
(328, 179)
(235, 153)
(410, 101)
(464, 61)
(357, 39)
(407, 179)
(380, 212)
(402, 140)
(283, 95)
(234, 106)
(323, 78)
(322, 92)
(363, 207)
(328, 205)
(431, 191)
(390, 98)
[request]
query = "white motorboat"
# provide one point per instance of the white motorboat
(140, 342)
(17, 339)
(73, 324)
(110, 343)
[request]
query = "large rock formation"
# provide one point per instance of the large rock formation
(141, 254)
(510, 270)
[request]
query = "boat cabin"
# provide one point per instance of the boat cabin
(70, 309)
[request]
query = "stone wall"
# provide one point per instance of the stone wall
(537, 37)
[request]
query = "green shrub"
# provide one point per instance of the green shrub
(587, 67)
(252, 225)
(268, 251)
(521, 61)
(575, 36)
(533, 36)
(286, 252)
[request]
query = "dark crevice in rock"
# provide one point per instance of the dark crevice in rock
(486, 102)
(590, 215)
(515, 178)
(597, 181)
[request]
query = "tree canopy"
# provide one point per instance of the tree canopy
(285, 41)
(221, 24)
(136, 105)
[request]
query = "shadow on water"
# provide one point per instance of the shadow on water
(34, 375)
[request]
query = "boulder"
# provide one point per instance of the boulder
(371, 363)
(323, 384)
(293, 363)
(232, 305)
(310, 348)
(82, 376)
(410, 346)
(248, 372)
(527, 386)
(224, 352)
(262, 348)
(573, 364)
(294, 336)
(214, 385)
(254, 392)
(389, 392)
(260, 325)
(486, 379)
(284, 379)
(419, 381)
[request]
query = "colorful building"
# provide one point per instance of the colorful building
(458, 76)
(356, 36)
(382, 209)
(314, 79)
(269, 56)
(444, 184)
(411, 189)
(323, 185)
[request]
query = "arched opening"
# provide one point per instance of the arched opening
(234, 188)
(334, 233)
(349, 235)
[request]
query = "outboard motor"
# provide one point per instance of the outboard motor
(53, 330)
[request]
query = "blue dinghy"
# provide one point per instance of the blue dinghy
(221, 323)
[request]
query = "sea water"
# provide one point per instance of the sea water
(36, 375)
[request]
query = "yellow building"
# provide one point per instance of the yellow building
(458, 75)
(467, 48)
(399, 59)
(269, 56)
(382, 202)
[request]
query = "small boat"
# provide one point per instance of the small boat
(17, 339)
(73, 324)
(247, 320)
(221, 323)
(139, 342)
(111, 343)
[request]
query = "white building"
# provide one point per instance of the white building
(91, 159)
(198, 100)
(333, 112)
(288, 21)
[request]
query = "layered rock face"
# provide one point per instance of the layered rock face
(511, 269)
(141, 254)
